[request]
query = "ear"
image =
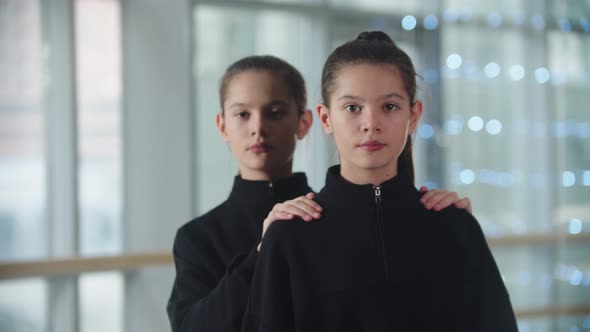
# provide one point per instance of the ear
(305, 122)
(220, 121)
(415, 114)
(324, 116)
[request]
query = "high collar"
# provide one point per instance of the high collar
(396, 189)
(256, 192)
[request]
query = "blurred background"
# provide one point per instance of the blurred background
(108, 142)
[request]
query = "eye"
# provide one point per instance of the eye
(276, 113)
(352, 108)
(242, 115)
(390, 107)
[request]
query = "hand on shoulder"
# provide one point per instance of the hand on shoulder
(303, 207)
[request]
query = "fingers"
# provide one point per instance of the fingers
(464, 203)
(303, 207)
(423, 189)
(299, 209)
(438, 199)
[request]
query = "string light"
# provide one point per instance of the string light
(454, 61)
(538, 22)
(510, 178)
(426, 131)
(493, 127)
(575, 226)
(453, 126)
(542, 75)
(430, 22)
(409, 22)
(430, 76)
(450, 15)
(568, 179)
(565, 25)
(467, 176)
(471, 71)
(492, 70)
(494, 19)
(475, 123)
(518, 18)
(465, 15)
(517, 72)
(576, 277)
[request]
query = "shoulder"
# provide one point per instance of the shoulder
(462, 222)
(201, 228)
(467, 233)
(285, 232)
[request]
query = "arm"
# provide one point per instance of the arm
(491, 310)
(201, 302)
(270, 304)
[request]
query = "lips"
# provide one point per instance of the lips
(372, 145)
(260, 148)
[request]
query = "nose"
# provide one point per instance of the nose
(371, 121)
(258, 126)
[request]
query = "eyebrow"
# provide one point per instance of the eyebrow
(387, 96)
(240, 105)
(277, 102)
(271, 103)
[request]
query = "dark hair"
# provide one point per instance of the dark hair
(374, 47)
(272, 64)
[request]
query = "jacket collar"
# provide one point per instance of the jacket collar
(396, 189)
(255, 193)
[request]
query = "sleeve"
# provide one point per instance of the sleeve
(201, 302)
(490, 307)
(270, 305)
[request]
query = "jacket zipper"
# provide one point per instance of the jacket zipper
(380, 229)
(271, 189)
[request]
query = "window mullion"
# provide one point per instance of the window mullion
(61, 150)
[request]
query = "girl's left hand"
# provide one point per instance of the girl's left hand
(438, 199)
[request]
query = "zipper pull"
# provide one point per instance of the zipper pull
(377, 195)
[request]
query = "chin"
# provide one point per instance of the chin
(374, 166)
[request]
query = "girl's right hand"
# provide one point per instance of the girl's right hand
(303, 207)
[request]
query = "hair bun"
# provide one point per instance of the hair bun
(375, 36)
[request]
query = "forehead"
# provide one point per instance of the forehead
(369, 80)
(252, 84)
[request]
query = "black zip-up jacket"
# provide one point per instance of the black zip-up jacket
(376, 261)
(215, 255)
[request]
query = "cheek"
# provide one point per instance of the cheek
(235, 128)
(400, 123)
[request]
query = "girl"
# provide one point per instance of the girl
(377, 260)
(263, 101)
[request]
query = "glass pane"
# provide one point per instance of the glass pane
(557, 324)
(515, 135)
(98, 53)
(467, 9)
(222, 37)
(390, 7)
(101, 302)
(22, 159)
(512, 130)
(23, 305)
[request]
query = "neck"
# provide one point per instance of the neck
(266, 174)
(374, 176)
